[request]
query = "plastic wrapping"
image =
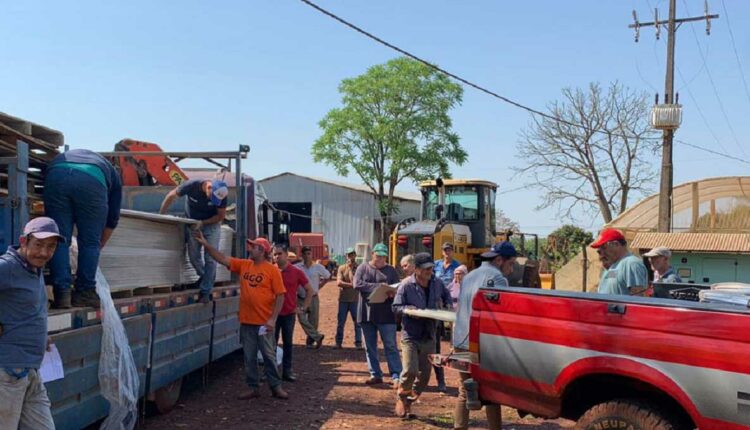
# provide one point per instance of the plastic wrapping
(118, 376)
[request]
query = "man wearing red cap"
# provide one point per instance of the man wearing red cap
(261, 299)
(624, 273)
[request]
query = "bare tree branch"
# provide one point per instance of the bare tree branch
(581, 168)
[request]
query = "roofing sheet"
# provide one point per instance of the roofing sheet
(705, 242)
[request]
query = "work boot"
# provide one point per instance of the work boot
(249, 394)
(279, 393)
(86, 299)
(319, 342)
(374, 381)
(403, 403)
(204, 298)
(62, 300)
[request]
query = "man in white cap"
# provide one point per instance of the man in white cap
(206, 202)
(659, 259)
(23, 327)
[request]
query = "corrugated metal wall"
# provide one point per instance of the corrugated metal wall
(344, 216)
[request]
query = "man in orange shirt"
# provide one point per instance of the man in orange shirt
(261, 298)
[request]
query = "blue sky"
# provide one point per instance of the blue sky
(198, 75)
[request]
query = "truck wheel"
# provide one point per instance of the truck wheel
(165, 398)
(625, 414)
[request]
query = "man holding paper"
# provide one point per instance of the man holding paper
(23, 327)
(377, 318)
(422, 290)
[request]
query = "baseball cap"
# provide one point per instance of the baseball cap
(380, 250)
(350, 250)
(262, 242)
(42, 228)
(219, 192)
(607, 235)
(447, 245)
(503, 249)
(659, 251)
(423, 260)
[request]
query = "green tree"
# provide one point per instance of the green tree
(393, 126)
(566, 242)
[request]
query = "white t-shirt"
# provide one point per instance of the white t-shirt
(315, 273)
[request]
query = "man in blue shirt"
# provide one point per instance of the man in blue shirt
(23, 327)
(445, 267)
(81, 188)
(497, 263)
(663, 271)
(205, 201)
(422, 290)
(623, 273)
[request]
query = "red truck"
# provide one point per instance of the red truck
(610, 362)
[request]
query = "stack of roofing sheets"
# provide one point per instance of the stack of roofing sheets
(145, 250)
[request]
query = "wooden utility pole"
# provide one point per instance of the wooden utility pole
(672, 24)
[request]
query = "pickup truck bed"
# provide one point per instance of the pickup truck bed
(583, 356)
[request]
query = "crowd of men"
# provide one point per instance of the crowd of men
(274, 292)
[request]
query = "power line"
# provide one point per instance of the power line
(482, 89)
(700, 111)
(713, 87)
(456, 77)
(734, 48)
(721, 154)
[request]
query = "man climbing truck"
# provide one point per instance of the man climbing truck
(608, 361)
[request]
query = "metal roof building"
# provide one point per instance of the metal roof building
(346, 214)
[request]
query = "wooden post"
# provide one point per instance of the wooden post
(585, 265)
(713, 214)
(696, 207)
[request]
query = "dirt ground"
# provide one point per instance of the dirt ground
(329, 394)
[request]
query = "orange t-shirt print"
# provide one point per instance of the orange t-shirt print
(259, 286)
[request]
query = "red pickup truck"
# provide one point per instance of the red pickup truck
(611, 362)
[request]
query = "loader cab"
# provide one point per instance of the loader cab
(462, 201)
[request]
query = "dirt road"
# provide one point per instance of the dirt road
(329, 394)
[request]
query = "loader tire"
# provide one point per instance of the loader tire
(626, 415)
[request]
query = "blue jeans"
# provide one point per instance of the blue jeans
(204, 264)
(72, 197)
(285, 327)
(388, 336)
(252, 341)
(349, 308)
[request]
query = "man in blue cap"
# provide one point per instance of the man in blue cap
(81, 188)
(23, 327)
(206, 201)
(497, 263)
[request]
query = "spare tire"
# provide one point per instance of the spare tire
(625, 414)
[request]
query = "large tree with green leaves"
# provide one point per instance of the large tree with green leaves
(566, 242)
(393, 125)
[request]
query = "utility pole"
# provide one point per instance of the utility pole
(667, 116)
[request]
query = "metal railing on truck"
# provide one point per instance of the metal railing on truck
(170, 335)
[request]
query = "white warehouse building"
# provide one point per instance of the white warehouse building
(346, 214)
